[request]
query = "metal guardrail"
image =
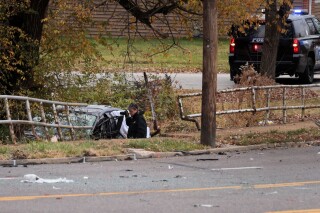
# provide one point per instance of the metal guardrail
(254, 108)
(40, 102)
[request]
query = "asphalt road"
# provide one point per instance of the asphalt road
(194, 80)
(253, 181)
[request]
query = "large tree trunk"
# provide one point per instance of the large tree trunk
(32, 21)
(271, 41)
(25, 46)
(275, 21)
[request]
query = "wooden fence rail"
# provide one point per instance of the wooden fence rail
(44, 123)
(254, 107)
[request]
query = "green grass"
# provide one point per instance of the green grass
(41, 149)
(151, 55)
(166, 145)
(35, 150)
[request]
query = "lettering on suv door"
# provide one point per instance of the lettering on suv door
(257, 40)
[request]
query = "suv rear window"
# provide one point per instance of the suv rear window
(300, 29)
(259, 31)
(312, 29)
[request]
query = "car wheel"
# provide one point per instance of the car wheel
(307, 76)
(232, 73)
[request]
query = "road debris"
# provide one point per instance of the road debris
(155, 181)
(8, 178)
(236, 168)
(32, 178)
(272, 193)
(205, 205)
(170, 167)
(140, 153)
(207, 159)
(179, 176)
(222, 153)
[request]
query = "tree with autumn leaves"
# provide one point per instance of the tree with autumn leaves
(41, 39)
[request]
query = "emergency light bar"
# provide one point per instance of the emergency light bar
(299, 12)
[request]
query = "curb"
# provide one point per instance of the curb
(24, 162)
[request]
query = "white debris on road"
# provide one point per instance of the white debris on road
(205, 205)
(32, 178)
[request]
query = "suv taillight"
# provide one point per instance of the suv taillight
(296, 46)
(232, 45)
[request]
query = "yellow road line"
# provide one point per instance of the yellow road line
(298, 211)
(278, 185)
(16, 198)
(258, 186)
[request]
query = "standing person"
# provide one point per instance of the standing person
(136, 122)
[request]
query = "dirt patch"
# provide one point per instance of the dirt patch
(236, 136)
(269, 128)
(18, 154)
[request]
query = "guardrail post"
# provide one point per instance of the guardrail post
(56, 119)
(11, 129)
(284, 111)
(180, 107)
(44, 120)
(303, 98)
(28, 108)
(186, 118)
(253, 91)
(268, 95)
(66, 107)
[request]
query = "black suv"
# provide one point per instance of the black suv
(298, 51)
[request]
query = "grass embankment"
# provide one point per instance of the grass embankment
(151, 55)
(274, 136)
(40, 149)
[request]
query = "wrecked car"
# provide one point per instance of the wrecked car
(107, 122)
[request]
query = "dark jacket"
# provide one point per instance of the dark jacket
(137, 126)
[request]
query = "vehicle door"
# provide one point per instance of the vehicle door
(317, 43)
(285, 41)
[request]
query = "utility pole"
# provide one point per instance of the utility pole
(209, 73)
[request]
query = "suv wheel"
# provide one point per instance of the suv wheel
(232, 73)
(307, 76)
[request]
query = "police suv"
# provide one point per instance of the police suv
(298, 51)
